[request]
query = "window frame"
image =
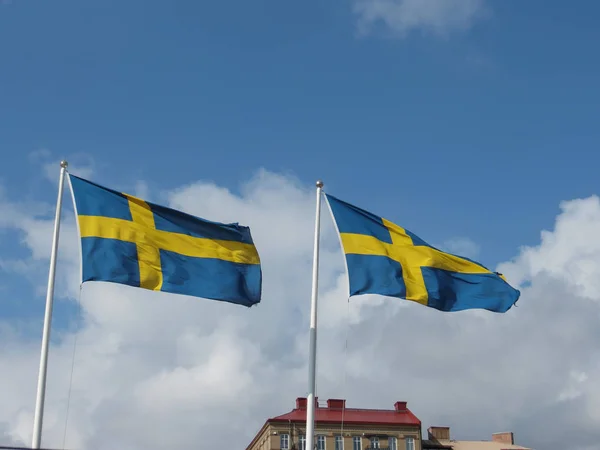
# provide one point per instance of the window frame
(287, 439)
(301, 442)
(324, 438)
(356, 440)
(409, 443)
(392, 443)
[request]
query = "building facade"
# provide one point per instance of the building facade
(340, 428)
(438, 438)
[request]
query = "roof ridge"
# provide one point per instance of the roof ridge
(325, 410)
(406, 411)
(371, 409)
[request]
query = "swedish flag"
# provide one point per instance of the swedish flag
(386, 259)
(129, 241)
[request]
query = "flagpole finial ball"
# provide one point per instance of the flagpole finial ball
(319, 184)
(64, 164)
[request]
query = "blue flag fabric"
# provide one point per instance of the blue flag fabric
(386, 259)
(129, 241)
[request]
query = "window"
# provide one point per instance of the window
(301, 442)
(356, 443)
(392, 443)
(410, 443)
(284, 441)
(320, 442)
(375, 442)
(339, 443)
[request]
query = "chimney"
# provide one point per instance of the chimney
(437, 433)
(400, 406)
(335, 403)
(504, 438)
(302, 402)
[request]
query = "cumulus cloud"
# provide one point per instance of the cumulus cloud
(80, 163)
(155, 370)
(438, 17)
(462, 246)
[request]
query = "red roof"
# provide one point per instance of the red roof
(335, 411)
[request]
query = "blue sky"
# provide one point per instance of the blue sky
(475, 127)
(479, 133)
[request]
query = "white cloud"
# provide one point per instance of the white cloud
(81, 164)
(462, 246)
(154, 370)
(572, 259)
(438, 17)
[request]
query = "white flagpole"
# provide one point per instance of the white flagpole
(41, 389)
(312, 358)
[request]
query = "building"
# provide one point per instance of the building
(439, 438)
(341, 428)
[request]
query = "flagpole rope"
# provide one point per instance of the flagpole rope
(77, 322)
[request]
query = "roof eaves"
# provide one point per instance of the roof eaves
(260, 432)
